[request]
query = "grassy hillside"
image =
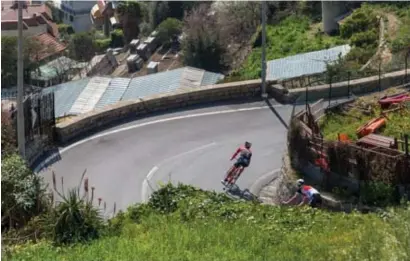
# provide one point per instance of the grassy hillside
(295, 34)
(299, 34)
(398, 122)
(183, 223)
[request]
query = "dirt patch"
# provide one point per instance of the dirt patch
(393, 25)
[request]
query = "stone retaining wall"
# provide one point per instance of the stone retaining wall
(82, 124)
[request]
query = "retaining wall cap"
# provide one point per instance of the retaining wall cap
(352, 82)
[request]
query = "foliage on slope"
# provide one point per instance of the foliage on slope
(185, 223)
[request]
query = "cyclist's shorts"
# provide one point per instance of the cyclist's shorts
(316, 200)
(242, 162)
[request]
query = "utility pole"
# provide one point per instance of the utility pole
(263, 74)
(20, 85)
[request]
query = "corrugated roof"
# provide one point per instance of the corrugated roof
(66, 94)
(191, 78)
(90, 95)
(210, 78)
(162, 82)
(304, 64)
(114, 92)
(83, 95)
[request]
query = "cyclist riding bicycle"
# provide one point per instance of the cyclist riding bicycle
(245, 155)
(310, 195)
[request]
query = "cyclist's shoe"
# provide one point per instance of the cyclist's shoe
(223, 182)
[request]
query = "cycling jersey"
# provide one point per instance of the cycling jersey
(245, 153)
(308, 192)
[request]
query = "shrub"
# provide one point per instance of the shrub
(169, 29)
(367, 38)
(65, 29)
(22, 193)
(8, 134)
(402, 40)
(74, 219)
(361, 20)
(117, 38)
(102, 44)
(377, 194)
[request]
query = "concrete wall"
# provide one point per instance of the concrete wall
(330, 11)
(359, 86)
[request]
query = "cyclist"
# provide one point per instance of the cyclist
(310, 195)
(245, 155)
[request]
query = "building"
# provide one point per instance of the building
(47, 48)
(103, 16)
(37, 19)
(56, 71)
(75, 13)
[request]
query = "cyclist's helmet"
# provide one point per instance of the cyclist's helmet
(248, 144)
(300, 182)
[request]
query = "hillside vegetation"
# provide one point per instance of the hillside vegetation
(365, 109)
(300, 33)
(295, 34)
(185, 223)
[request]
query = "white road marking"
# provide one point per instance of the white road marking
(144, 188)
(144, 194)
(153, 170)
(139, 125)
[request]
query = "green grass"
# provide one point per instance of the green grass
(208, 226)
(294, 35)
(397, 124)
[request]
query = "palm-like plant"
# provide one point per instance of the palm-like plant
(74, 218)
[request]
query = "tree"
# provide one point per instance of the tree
(8, 134)
(130, 16)
(238, 20)
(22, 192)
(32, 50)
(81, 47)
(201, 44)
(169, 29)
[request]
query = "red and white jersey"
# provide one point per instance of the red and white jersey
(308, 191)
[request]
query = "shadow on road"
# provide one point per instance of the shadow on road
(245, 194)
(276, 113)
(42, 164)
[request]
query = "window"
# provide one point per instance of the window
(71, 18)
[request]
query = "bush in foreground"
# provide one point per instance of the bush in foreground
(184, 223)
(22, 193)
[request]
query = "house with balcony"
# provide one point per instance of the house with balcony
(75, 13)
(37, 19)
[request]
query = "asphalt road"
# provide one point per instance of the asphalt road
(125, 163)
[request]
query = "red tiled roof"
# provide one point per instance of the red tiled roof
(50, 46)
